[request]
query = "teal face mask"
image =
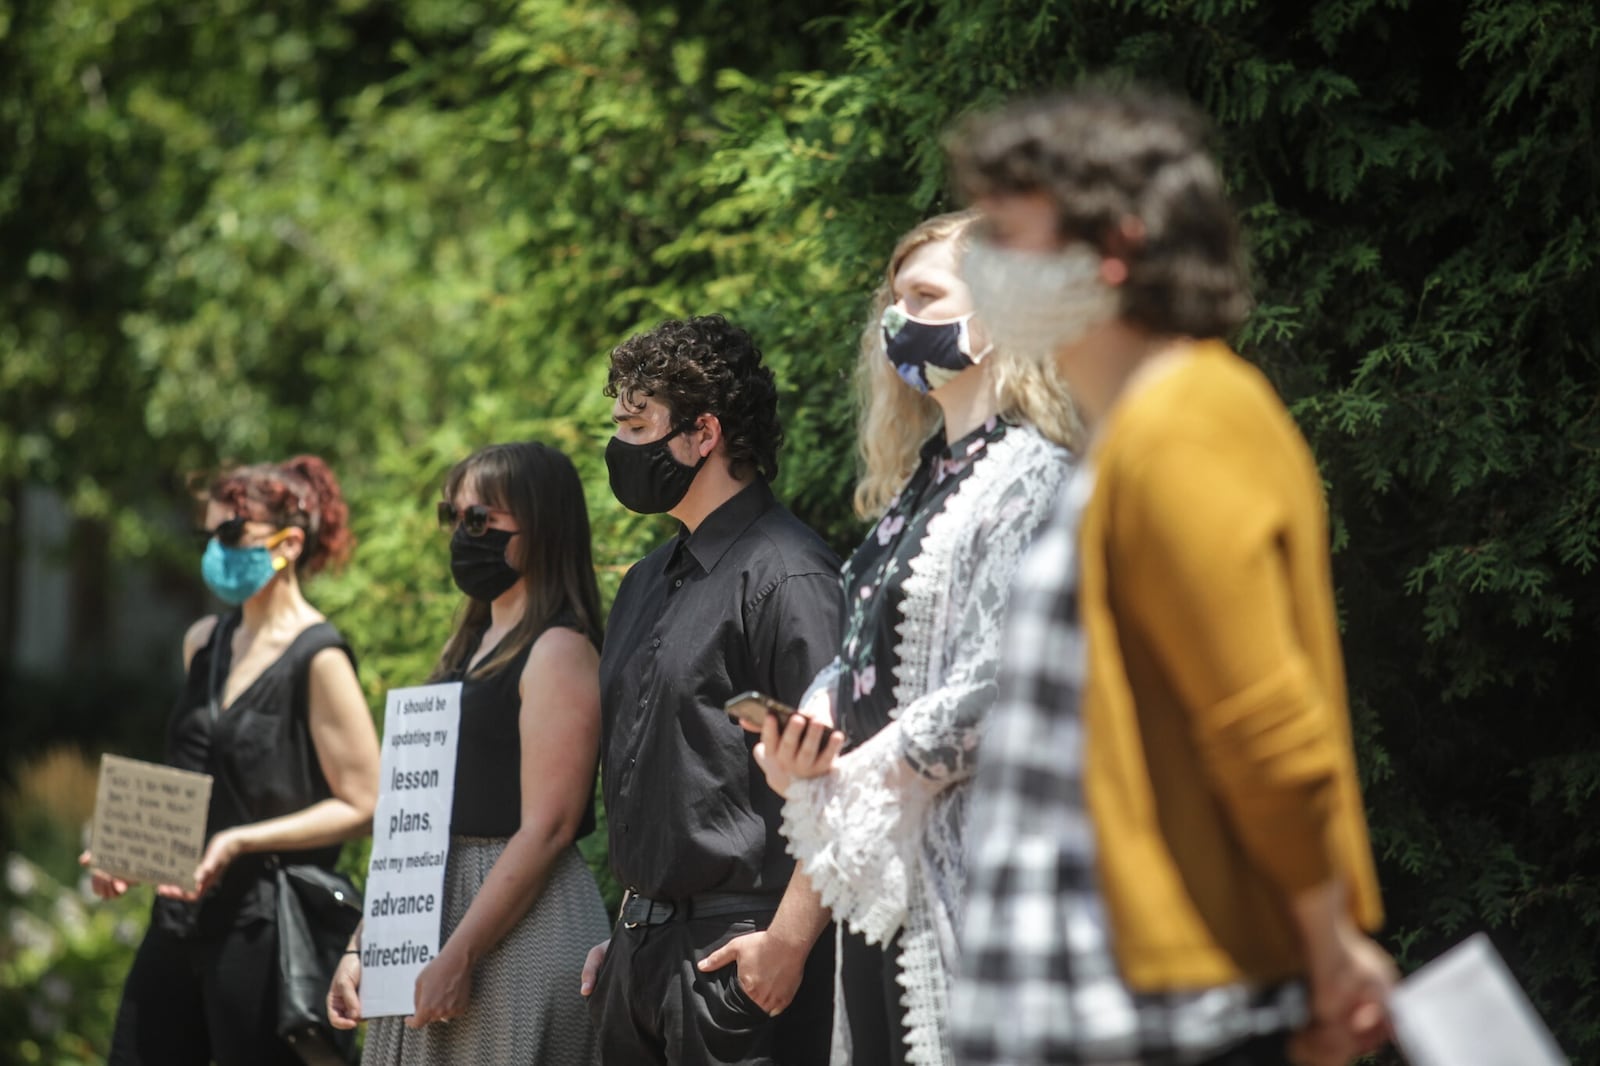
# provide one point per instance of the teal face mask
(236, 574)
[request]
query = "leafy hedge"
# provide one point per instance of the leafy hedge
(392, 232)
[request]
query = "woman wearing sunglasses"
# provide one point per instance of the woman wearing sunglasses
(272, 710)
(520, 907)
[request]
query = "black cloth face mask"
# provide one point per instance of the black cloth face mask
(645, 478)
(479, 565)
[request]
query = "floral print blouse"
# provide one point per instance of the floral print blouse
(874, 580)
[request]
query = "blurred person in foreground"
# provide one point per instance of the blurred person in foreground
(520, 907)
(1170, 860)
(963, 450)
(272, 710)
(715, 956)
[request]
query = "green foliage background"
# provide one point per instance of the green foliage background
(389, 232)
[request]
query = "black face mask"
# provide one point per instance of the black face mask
(645, 477)
(479, 565)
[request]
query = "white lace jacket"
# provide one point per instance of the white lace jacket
(881, 836)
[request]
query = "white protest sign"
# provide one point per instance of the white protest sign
(1465, 1009)
(410, 842)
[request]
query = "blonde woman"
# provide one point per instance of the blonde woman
(963, 449)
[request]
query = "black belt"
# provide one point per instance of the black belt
(640, 910)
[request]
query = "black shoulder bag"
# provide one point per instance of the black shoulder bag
(318, 909)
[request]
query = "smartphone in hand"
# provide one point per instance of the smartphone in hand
(754, 707)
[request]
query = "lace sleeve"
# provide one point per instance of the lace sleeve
(853, 831)
(857, 830)
(939, 730)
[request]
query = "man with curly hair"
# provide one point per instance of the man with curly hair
(1170, 863)
(711, 960)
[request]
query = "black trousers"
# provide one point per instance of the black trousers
(191, 1002)
(652, 1005)
(872, 1000)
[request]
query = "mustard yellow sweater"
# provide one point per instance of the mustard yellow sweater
(1219, 767)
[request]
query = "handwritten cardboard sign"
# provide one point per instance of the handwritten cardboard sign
(410, 843)
(149, 821)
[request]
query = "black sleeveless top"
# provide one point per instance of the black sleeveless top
(260, 754)
(488, 793)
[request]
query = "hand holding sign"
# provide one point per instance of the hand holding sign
(443, 989)
(219, 855)
(101, 883)
(344, 994)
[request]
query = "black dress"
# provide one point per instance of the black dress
(488, 791)
(203, 985)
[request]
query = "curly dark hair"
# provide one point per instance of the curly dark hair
(705, 365)
(1104, 156)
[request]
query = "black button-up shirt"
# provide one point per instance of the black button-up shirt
(750, 600)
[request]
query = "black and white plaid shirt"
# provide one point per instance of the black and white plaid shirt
(1038, 982)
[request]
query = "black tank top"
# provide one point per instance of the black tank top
(260, 753)
(488, 793)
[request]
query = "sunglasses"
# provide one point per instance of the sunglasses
(474, 519)
(230, 531)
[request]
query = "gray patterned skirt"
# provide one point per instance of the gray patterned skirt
(525, 1003)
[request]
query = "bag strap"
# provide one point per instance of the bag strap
(223, 632)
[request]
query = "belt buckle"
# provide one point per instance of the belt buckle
(628, 896)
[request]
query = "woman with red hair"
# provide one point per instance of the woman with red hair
(272, 710)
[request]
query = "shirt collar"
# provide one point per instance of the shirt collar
(722, 527)
(956, 454)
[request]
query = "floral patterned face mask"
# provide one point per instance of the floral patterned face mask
(928, 354)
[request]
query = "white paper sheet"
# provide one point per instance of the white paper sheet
(1465, 1009)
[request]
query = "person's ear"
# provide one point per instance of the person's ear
(289, 548)
(1122, 243)
(978, 340)
(707, 435)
